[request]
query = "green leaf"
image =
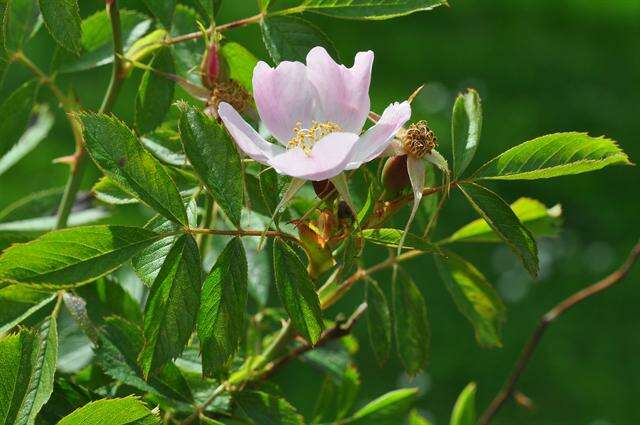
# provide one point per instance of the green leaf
(62, 19)
(241, 63)
(26, 372)
(215, 159)
(148, 262)
(97, 40)
(388, 409)
(20, 18)
(187, 55)
(29, 229)
(222, 308)
(117, 411)
(378, 321)
(534, 215)
(29, 140)
(466, 125)
(120, 343)
(289, 38)
(415, 418)
(70, 257)
(474, 296)
(554, 155)
(118, 153)
(391, 238)
(165, 145)
(412, 330)
(296, 292)
(18, 302)
(15, 112)
(172, 307)
(361, 9)
(263, 408)
(155, 92)
(36, 204)
(464, 411)
(163, 10)
(106, 190)
(495, 211)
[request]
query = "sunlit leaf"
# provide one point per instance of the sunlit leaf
(116, 411)
(72, 256)
(554, 155)
(466, 125)
(27, 370)
(118, 153)
(171, 310)
(388, 409)
(358, 9)
(534, 215)
(215, 159)
(464, 411)
(241, 63)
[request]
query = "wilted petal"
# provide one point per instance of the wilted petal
(327, 158)
(284, 97)
(376, 139)
(343, 93)
(417, 172)
(247, 139)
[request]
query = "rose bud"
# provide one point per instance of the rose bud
(211, 66)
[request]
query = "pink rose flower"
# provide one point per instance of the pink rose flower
(316, 112)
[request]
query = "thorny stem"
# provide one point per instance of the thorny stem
(198, 34)
(80, 157)
(509, 386)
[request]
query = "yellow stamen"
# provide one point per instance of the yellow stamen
(306, 137)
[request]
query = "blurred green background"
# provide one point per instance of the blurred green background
(540, 67)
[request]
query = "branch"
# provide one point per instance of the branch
(244, 232)
(509, 386)
(336, 332)
(219, 28)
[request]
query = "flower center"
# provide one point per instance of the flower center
(419, 139)
(306, 137)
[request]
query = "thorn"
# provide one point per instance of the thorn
(69, 159)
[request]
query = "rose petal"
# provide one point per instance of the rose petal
(343, 93)
(247, 139)
(327, 158)
(376, 139)
(284, 97)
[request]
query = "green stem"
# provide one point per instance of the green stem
(80, 157)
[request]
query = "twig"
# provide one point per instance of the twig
(336, 332)
(219, 28)
(200, 408)
(79, 164)
(509, 386)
